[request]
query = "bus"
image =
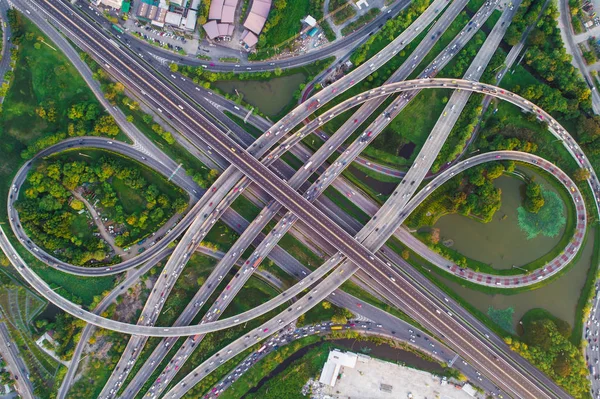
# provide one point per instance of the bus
(262, 348)
(336, 327)
(117, 28)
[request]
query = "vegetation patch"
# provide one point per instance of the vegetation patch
(546, 344)
(549, 218)
(471, 193)
(503, 318)
(343, 11)
(36, 108)
(56, 210)
(360, 21)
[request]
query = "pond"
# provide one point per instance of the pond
(499, 243)
(269, 96)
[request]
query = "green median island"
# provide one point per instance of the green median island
(92, 207)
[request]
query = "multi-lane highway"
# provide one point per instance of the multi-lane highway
(289, 198)
(258, 225)
(15, 364)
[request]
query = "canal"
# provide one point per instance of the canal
(269, 96)
(380, 351)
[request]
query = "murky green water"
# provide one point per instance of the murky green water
(269, 96)
(500, 243)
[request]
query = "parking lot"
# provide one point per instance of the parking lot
(163, 38)
(377, 379)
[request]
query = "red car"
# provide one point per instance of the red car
(356, 121)
(359, 305)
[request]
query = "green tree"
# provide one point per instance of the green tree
(581, 174)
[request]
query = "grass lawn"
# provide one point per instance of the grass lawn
(413, 124)
(346, 205)
(245, 208)
(300, 251)
(253, 130)
(83, 227)
(222, 236)
(131, 199)
(319, 313)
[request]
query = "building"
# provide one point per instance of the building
(313, 32)
(255, 22)
(333, 366)
(110, 3)
(174, 13)
(221, 15)
(310, 21)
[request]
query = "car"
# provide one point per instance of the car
(356, 121)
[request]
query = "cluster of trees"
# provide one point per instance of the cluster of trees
(534, 199)
(276, 15)
(340, 315)
(546, 344)
(471, 193)
(460, 133)
(390, 30)
(112, 91)
(500, 134)
(206, 179)
(588, 133)
(67, 330)
(156, 128)
(46, 217)
(48, 209)
(562, 90)
(526, 15)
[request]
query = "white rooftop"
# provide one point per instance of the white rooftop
(310, 21)
(335, 361)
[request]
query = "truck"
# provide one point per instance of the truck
(308, 165)
(313, 104)
(117, 28)
(257, 262)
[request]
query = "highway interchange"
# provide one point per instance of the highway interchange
(289, 198)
